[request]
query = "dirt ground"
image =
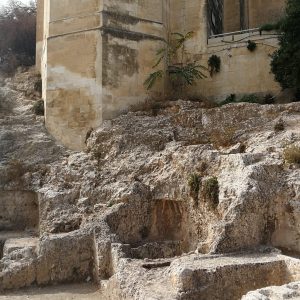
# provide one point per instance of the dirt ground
(65, 292)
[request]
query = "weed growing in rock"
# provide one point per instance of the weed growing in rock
(38, 108)
(110, 204)
(251, 98)
(279, 126)
(269, 99)
(230, 99)
(211, 191)
(194, 182)
(292, 154)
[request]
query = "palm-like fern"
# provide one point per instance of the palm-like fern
(152, 78)
(187, 72)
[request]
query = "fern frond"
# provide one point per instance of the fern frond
(152, 78)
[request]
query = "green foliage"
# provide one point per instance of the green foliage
(180, 39)
(194, 182)
(211, 191)
(230, 99)
(251, 46)
(188, 73)
(152, 78)
(182, 72)
(286, 60)
(214, 63)
(292, 154)
(251, 98)
(279, 126)
(17, 35)
(269, 99)
(270, 27)
(38, 108)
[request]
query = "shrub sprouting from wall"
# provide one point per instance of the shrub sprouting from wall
(214, 64)
(251, 46)
(211, 191)
(179, 70)
(17, 36)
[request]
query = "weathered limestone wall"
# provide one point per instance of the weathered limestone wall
(73, 86)
(39, 33)
(99, 54)
(262, 12)
(18, 210)
(252, 14)
(188, 16)
(242, 71)
(96, 55)
(232, 20)
(132, 31)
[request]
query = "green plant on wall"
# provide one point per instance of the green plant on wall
(214, 64)
(251, 46)
(179, 70)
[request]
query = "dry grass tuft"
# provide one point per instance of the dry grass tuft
(292, 154)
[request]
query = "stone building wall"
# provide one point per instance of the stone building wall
(96, 54)
(245, 14)
(232, 20)
(262, 12)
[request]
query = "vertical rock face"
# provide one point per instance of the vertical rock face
(18, 210)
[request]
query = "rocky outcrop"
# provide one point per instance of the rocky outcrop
(288, 291)
(159, 194)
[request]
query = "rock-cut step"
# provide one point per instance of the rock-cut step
(202, 277)
(16, 240)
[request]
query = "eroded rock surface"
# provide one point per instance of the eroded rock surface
(288, 291)
(161, 204)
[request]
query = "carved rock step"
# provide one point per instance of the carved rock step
(15, 240)
(213, 277)
(202, 277)
(21, 243)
